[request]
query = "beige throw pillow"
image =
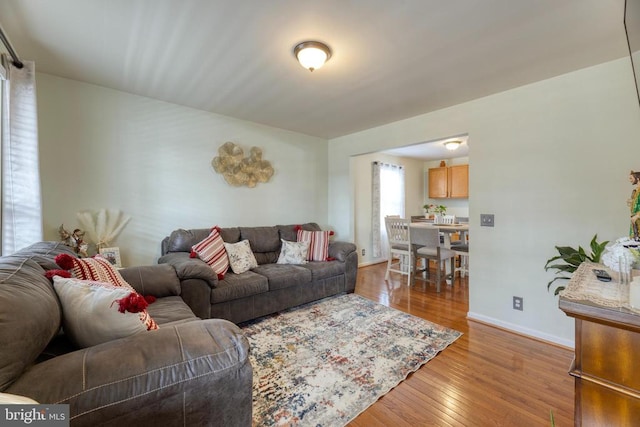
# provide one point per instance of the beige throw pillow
(241, 256)
(91, 315)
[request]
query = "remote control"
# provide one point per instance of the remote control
(602, 275)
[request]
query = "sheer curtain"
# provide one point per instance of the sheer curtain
(21, 198)
(387, 199)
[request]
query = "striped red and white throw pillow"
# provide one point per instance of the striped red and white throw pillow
(211, 250)
(318, 244)
(97, 269)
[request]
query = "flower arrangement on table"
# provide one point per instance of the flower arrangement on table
(623, 254)
(435, 209)
(100, 227)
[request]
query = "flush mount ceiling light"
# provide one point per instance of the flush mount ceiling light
(312, 55)
(452, 145)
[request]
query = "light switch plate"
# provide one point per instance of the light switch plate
(486, 220)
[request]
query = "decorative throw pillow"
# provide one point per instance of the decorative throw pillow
(318, 244)
(98, 269)
(211, 250)
(241, 257)
(293, 252)
(96, 312)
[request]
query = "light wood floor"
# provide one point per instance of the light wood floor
(488, 377)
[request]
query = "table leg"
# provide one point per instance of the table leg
(447, 265)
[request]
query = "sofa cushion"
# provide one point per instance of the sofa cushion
(293, 253)
(182, 240)
(284, 276)
(230, 235)
(235, 286)
(211, 250)
(324, 270)
(290, 232)
(265, 243)
(241, 257)
(92, 313)
(30, 317)
(262, 239)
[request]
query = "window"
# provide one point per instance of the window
(21, 200)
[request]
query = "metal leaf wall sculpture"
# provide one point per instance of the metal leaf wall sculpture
(238, 170)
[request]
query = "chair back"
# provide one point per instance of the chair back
(425, 236)
(397, 230)
(447, 219)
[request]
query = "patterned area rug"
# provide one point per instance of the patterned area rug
(323, 363)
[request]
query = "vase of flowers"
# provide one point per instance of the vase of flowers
(432, 209)
(623, 253)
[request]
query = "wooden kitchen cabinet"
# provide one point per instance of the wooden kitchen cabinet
(449, 182)
(438, 185)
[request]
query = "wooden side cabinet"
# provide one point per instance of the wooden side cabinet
(605, 368)
(449, 182)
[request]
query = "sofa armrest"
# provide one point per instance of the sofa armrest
(192, 373)
(190, 268)
(158, 280)
(341, 250)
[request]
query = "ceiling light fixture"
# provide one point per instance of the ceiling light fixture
(452, 145)
(312, 55)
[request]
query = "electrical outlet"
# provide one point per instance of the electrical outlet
(518, 303)
(486, 220)
(363, 252)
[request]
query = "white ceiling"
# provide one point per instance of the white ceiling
(433, 149)
(391, 59)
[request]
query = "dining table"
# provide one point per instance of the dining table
(446, 229)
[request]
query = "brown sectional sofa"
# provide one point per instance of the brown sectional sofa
(189, 372)
(266, 289)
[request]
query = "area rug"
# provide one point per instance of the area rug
(323, 363)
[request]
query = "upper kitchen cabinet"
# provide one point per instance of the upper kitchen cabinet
(438, 187)
(449, 182)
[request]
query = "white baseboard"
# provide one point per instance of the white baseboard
(521, 330)
(368, 263)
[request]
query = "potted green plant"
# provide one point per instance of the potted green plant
(572, 258)
(436, 209)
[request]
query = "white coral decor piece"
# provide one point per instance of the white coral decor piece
(104, 225)
(623, 250)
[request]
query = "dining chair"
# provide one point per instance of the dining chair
(462, 250)
(399, 247)
(425, 243)
(447, 219)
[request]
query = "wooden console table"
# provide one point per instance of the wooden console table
(606, 366)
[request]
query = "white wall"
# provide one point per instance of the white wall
(361, 173)
(550, 160)
(101, 148)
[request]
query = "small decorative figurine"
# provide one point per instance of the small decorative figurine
(74, 240)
